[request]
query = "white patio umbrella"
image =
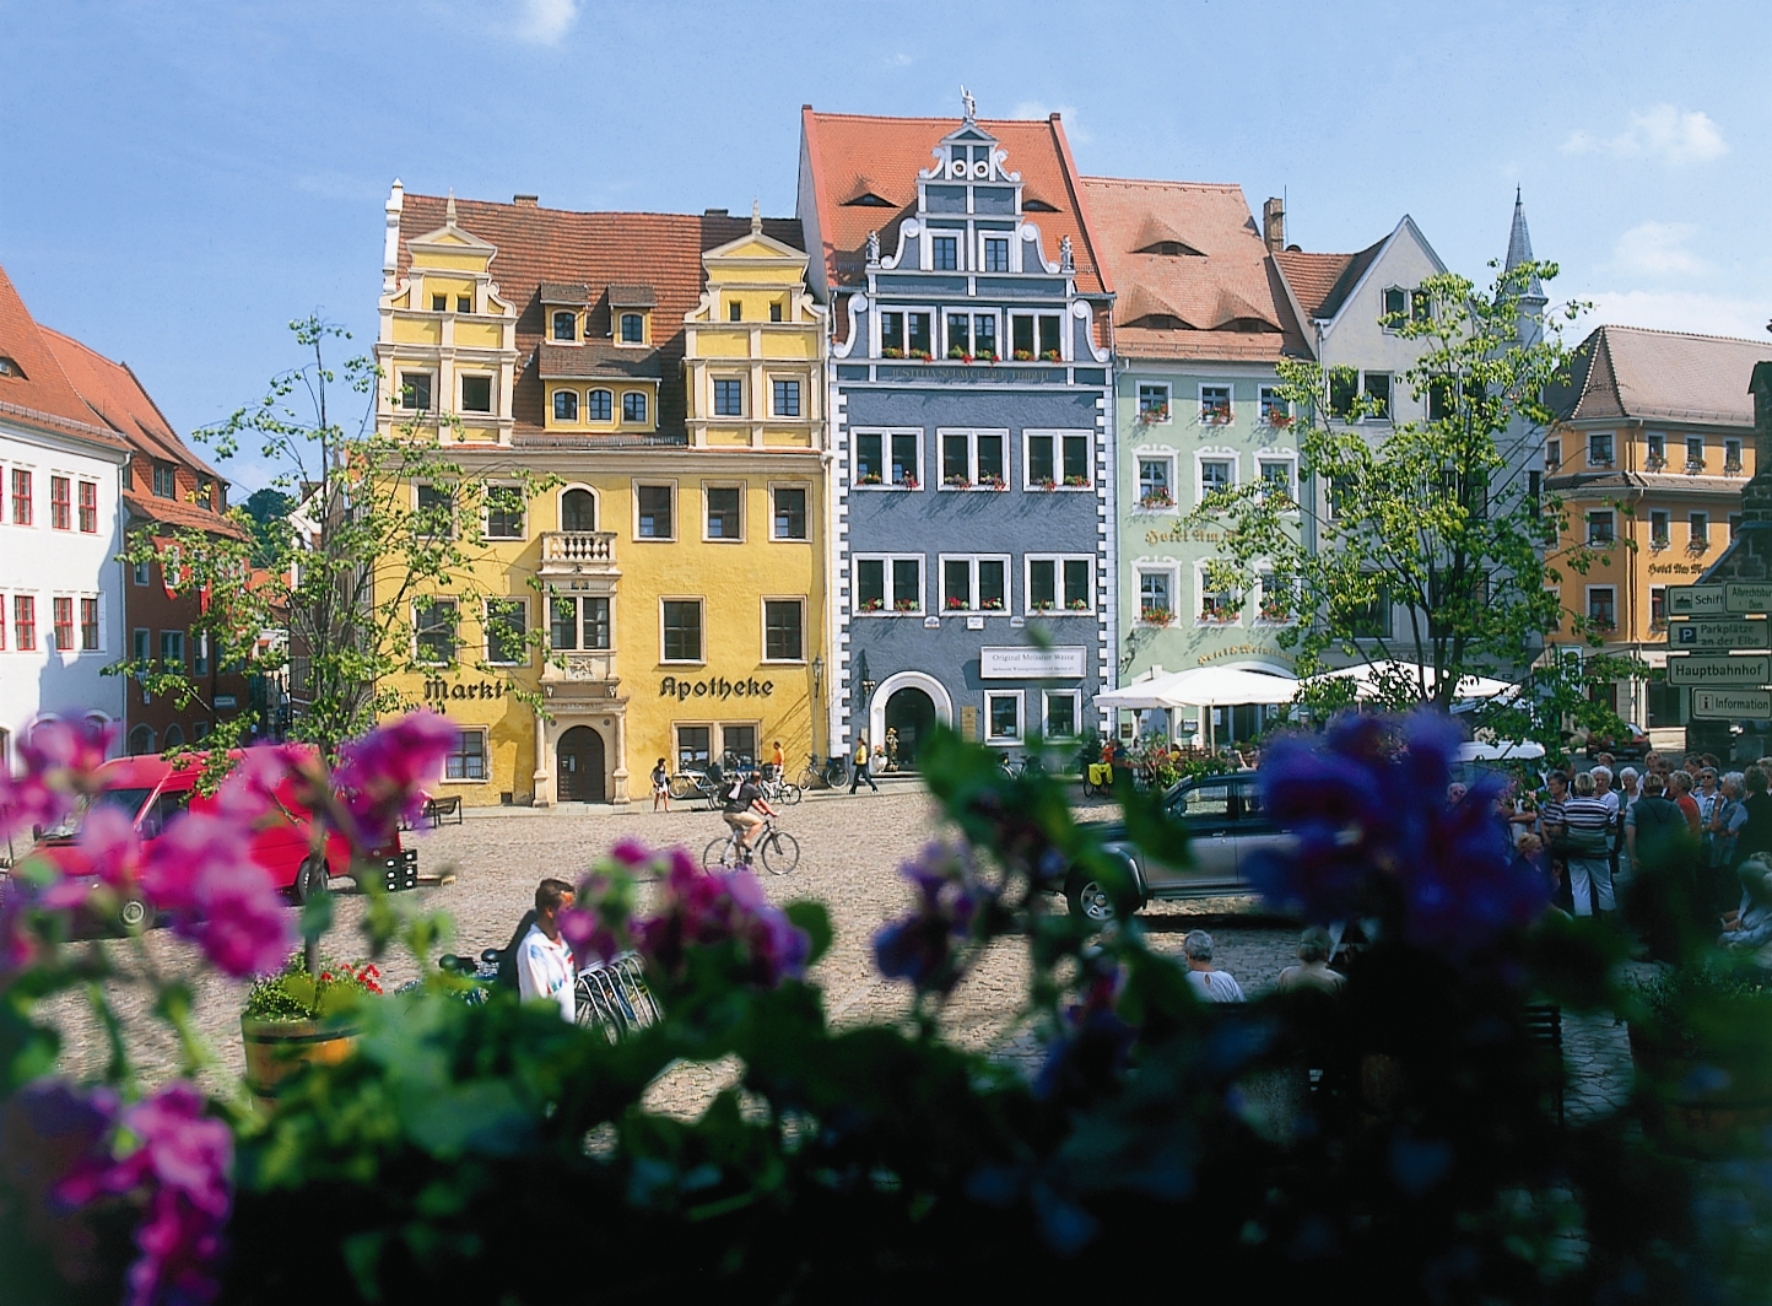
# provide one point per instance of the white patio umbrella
(1366, 677)
(1204, 687)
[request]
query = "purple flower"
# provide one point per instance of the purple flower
(923, 946)
(250, 790)
(56, 762)
(702, 910)
(200, 872)
(381, 777)
(46, 1129)
(1093, 1046)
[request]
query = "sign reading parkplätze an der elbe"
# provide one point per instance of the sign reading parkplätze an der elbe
(1725, 633)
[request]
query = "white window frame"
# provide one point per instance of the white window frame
(1290, 458)
(763, 603)
(1200, 593)
(1156, 456)
(1663, 538)
(1588, 602)
(578, 598)
(562, 392)
(986, 234)
(1611, 458)
(1048, 697)
(805, 393)
(890, 560)
(486, 629)
(973, 559)
(646, 399)
(804, 489)
(701, 602)
(1263, 395)
(560, 505)
(669, 483)
(585, 417)
(1064, 340)
(1057, 560)
(1654, 447)
(971, 434)
(615, 328)
(1262, 576)
(1171, 572)
(1384, 310)
(1230, 392)
(1138, 408)
(491, 379)
(1694, 541)
(1021, 730)
(742, 382)
(554, 316)
(958, 235)
(455, 505)
(1058, 435)
(886, 433)
(1732, 452)
(1215, 455)
(936, 328)
(974, 315)
(743, 506)
(485, 757)
(1390, 399)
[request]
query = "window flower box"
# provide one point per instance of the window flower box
(958, 482)
(1275, 613)
(1156, 499)
(1654, 462)
(1215, 414)
(957, 604)
(1217, 616)
(1042, 605)
(1024, 355)
(892, 351)
(1694, 466)
(1657, 543)
(1279, 421)
(1078, 605)
(1045, 483)
(905, 605)
(986, 356)
(1156, 616)
(991, 605)
(1153, 415)
(906, 482)
(1732, 468)
(1076, 482)
(922, 355)
(1051, 356)
(868, 478)
(873, 605)
(959, 355)
(992, 483)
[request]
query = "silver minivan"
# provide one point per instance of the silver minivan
(1225, 822)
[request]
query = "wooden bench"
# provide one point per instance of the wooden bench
(436, 809)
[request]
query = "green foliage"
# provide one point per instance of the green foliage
(269, 511)
(298, 993)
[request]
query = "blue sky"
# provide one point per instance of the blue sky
(180, 179)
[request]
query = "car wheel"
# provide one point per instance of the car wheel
(312, 880)
(136, 914)
(1089, 899)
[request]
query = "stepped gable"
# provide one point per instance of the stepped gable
(1631, 372)
(650, 260)
(35, 387)
(1193, 277)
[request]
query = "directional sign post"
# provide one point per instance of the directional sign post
(1720, 670)
(1726, 634)
(1732, 705)
(1742, 596)
(1696, 601)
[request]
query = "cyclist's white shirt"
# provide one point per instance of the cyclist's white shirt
(545, 970)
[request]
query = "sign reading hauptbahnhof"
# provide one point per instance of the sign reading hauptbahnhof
(1719, 669)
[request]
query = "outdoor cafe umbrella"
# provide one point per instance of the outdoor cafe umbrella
(1367, 676)
(1204, 687)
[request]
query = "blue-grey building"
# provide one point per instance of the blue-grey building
(972, 548)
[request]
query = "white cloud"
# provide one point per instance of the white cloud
(1658, 249)
(1662, 132)
(544, 22)
(1073, 128)
(1712, 315)
(899, 60)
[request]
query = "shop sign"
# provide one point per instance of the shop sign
(1695, 601)
(438, 690)
(1747, 596)
(1025, 662)
(714, 687)
(1732, 705)
(1719, 669)
(1729, 633)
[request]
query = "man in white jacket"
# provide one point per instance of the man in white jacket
(545, 968)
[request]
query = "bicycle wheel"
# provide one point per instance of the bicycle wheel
(718, 855)
(780, 852)
(683, 786)
(791, 794)
(810, 779)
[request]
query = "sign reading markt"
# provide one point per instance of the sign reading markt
(1732, 704)
(1729, 633)
(1719, 669)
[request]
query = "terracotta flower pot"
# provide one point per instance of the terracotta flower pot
(276, 1049)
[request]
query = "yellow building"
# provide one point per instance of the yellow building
(664, 373)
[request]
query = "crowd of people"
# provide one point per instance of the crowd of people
(1210, 984)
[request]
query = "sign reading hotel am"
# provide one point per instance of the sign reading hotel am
(1719, 669)
(1732, 704)
(1747, 596)
(1024, 662)
(1729, 633)
(1696, 601)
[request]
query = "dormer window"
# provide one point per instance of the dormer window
(464, 303)
(439, 303)
(1031, 205)
(566, 327)
(735, 311)
(10, 367)
(633, 328)
(1172, 249)
(165, 481)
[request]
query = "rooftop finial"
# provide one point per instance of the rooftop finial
(756, 218)
(449, 209)
(970, 104)
(1519, 248)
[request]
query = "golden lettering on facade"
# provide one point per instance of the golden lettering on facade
(438, 690)
(714, 687)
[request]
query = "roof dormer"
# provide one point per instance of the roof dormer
(969, 176)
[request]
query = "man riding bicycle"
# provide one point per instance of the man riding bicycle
(744, 807)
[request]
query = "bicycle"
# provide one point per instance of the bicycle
(779, 851)
(784, 792)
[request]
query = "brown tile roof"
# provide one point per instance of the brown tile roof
(1224, 300)
(1322, 281)
(853, 156)
(564, 292)
(595, 358)
(179, 512)
(600, 250)
(118, 399)
(44, 393)
(632, 297)
(1631, 372)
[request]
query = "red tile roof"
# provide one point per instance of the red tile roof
(853, 156)
(1322, 281)
(1224, 299)
(1621, 372)
(604, 252)
(44, 392)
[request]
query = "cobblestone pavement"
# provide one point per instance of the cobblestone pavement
(850, 849)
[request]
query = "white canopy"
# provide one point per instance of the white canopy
(1366, 677)
(1203, 687)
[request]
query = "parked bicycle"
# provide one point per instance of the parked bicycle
(785, 792)
(832, 774)
(778, 850)
(612, 996)
(694, 786)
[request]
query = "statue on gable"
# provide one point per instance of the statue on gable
(968, 103)
(873, 247)
(1067, 259)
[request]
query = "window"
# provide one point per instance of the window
(1440, 405)
(578, 511)
(1602, 607)
(566, 327)
(166, 805)
(599, 406)
(1156, 597)
(1378, 395)
(996, 254)
(682, 630)
(959, 335)
(735, 311)
(1658, 528)
(789, 519)
(1421, 306)
(974, 584)
(725, 509)
(1694, 453)
(891, 334)
(1656, 457)
(476, 394)
(434, 626)
(775, 312)
(1344, 388)
(565, 614)
(63, 612)
(199, 654)
(206, 493)
(1054, 459)
(172, 650)
(1002, 716)
(972, 458)
(439, 303)
(1276, 478)
(984, 335)
(738, 747)
(1275, 411)
(1599, 449)
(633, 408)
(921, 343)
(1734, 524)
(1153, 403)
(1553, 454)
(141, 741)
(436, 510)
(1698, 530)
(507, 624)
(694, 745)
(1732, 455)
(504, 513)
(467, 760)
(415, 391)
(565, 405)
(906, 453)
(784, 630)
(138, 647)
(1217, 607)
(139, 573)
(1396, 308)
(1216, 474)
(1276, 603)
(1059, 583)
(61, 503)
(653, 513)
(1063, 711)
(728, 398)
(785, 397)
(1215, 404)
(129, 475)
(24, 622)
(89, 625)
(1658, 607)
(464, 303)
(21, 497)
(633, 329)
(165, 481)
(944, 253)
(1372, 619)
(889, 584)
(200, 731)
(1156, 482)
(1599, 528)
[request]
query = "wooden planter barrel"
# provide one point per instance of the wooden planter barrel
(277, 1049)
(1702, 1106)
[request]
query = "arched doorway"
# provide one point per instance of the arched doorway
(579, 764)
(578, 511)
(910, 714)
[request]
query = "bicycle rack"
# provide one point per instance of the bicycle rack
(613, 996)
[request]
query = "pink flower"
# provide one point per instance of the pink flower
(200, 871)
(701, 910)
(57, 759)
(381, 777)
(250, 791)
(46, 1129)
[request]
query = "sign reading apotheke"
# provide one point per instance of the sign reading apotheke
(1729, 633)
(1719, 669)
(1027, 663)
(1732, 704)
(714, 687)
(1747, 596)
(1696, 601)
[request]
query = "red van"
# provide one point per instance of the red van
(152, 791)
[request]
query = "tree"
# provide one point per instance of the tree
(266, 507)
(368, 573)
(1430, 554)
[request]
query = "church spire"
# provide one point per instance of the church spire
(1519, 249)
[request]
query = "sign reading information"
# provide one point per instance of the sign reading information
(1747, 596)
(1742, 633)
(1732, 704)
(1712, 669)
(1024, 662)
(1696, 601)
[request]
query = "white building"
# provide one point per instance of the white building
(61, 585)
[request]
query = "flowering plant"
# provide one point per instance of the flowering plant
(1045, 483)
(1042, 605)
(1023, 355)
(1076, 482)
(872, 605)
(991, 481)
(1153, 616)
(892, 351)
(1156, 498)
(1078, 605)
(904, 605)
(868, 478)
(295, 993)
(1051, 356)
(906, 481)
(958, 481)
(1153, 415)
(956, 604)
(991, 605)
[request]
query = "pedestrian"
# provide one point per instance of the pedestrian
(1680, 790)
(891, 749)
(778, 760)
(1706, 795)
(1728, 815)
(1660, 899)
(1755, 833)
(661, 786)
(1209, 983)
(1550, 829)
(1312, 971)
(545, 968)
(861, 768)
(1604, 791)
(1587, 826)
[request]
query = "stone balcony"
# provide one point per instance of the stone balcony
(578, 553)
(579, 668)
